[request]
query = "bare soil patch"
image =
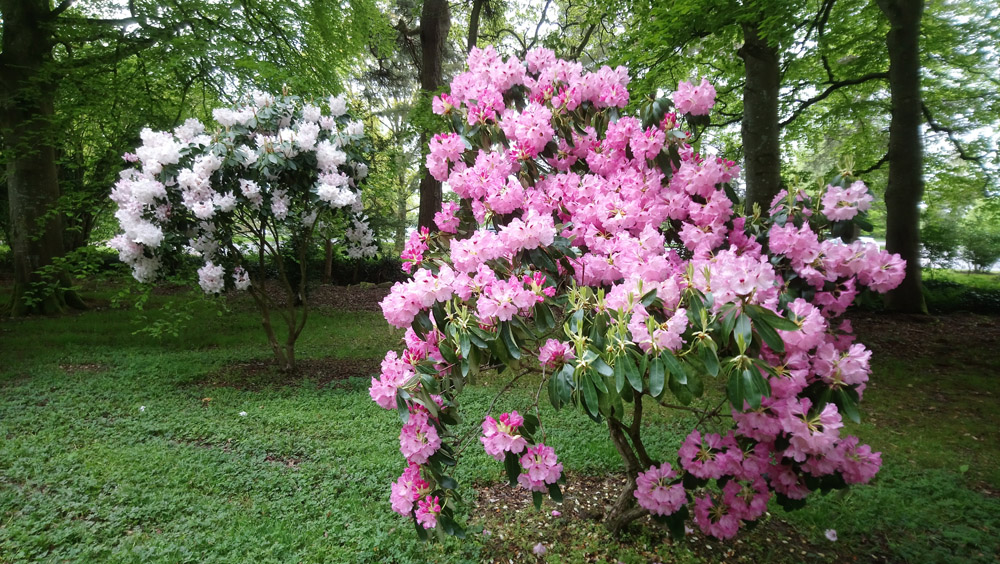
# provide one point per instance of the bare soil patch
(944, 336)
(263, 374)
(587, 499)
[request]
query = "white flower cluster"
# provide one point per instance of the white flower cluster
(361, 240)
(198, 192)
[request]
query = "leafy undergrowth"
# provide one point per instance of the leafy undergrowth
(115, 447)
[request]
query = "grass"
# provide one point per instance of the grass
(115, 447)
(952, 290)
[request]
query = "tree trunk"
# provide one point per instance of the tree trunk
(435, 22)
(624, 510)
(474, 17)
(27, 94)
(760, 131)
(906, 185)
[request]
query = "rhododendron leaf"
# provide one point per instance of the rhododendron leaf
(620, 373)
(402, 408)
(449, 526)
(863, 224)
(675, 522)
(479, 337)
(421, 531)
(847, 403)
(590, 402)
(602, 367)
(674, 366)
(447, 482)
(576, 322)
(696, 308)
(692, 482)
(595, 377)
(656, 374)
(553, 391)
(648, 297)
(448, 352)
(737, 389)
(530, 423)
(498, 354)
(439, 315)
(598, 331)
(706, 353)
(542, 260)
(543, 317)
(422, 324)
(631, 372)
(536, 499)
(643, 363)
(742, 330)
(425, 367)
(443, 456)
(450, 416)
(758, 313)
(507, 335)
(555, 493)
(680, 391)
(430, 383)
(769, 336)
(731, 194)
(512, 464)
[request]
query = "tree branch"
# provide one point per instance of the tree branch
(833, 87)
(62, 7)
(939, 128)
(881, 162)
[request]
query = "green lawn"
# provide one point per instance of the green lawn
(117, 447)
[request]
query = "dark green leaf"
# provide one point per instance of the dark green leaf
(656, 374)
(590, 396)
(707, 355)
(513, 349)
(402, 408)
(620, 373)
(512, 464)
(674, 366)
(743, 328)
(555, 493)
(632, 373)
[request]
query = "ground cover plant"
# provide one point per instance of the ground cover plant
(86, 474)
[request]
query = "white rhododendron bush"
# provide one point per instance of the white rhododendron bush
(605, 260)
(263, 184)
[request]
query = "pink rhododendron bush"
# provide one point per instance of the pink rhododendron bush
(604, 255)
(268, 181)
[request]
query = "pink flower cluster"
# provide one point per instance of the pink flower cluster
(844, 203)
(694, 100)
(554, 353)
(657, 491)
(585, 221)
(540, 468)
(409, 488)
(501, 437)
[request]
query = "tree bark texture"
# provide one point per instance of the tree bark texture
(474, 17)
(435, 22)
(628, 443)
(906, 185)
(761, 133)
(27, 94)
